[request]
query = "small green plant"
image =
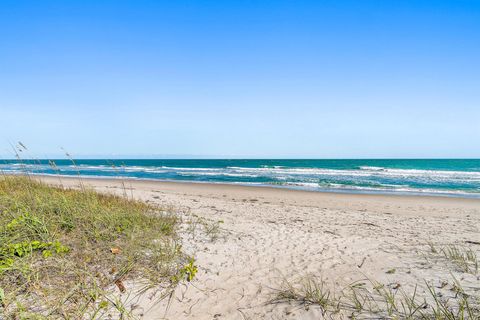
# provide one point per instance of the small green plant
(187, 272)
(27, 247)
(190, 270)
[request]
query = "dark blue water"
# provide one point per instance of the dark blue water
(421, 176)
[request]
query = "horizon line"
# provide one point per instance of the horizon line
(84, 157)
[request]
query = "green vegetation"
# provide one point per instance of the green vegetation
(65, 253)
(373, 300)
(199, 226)
(464, 258)
(308, 291)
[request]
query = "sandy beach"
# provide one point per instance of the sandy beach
(260, 237)
(240, 160)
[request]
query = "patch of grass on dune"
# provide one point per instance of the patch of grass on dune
(65, 253)
(373, 300)
(456, 299)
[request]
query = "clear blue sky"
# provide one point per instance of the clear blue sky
(322, 79)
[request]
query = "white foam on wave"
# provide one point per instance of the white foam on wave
(192, 169)
(228, 174)
(438, 175)
(389, 189)
(371, 168)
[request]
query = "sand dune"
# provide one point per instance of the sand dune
(266, 235)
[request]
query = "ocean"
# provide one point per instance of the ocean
(447, 177)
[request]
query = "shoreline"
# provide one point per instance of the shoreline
(220, 189)
(347, 192)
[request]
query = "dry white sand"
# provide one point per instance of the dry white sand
(268, 235)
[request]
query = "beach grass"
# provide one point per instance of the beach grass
(464, 258)
(373, 300)
(199, 226)
(308, 291)
(69, 253)
(369, 298)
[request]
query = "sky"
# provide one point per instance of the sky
(241, 79)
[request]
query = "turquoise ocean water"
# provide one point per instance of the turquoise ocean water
(455, 177)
